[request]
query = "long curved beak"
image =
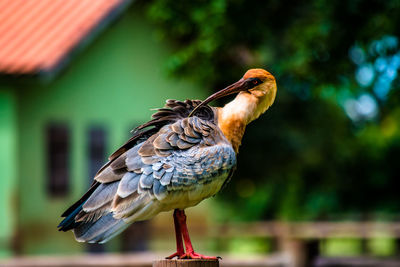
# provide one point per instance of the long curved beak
(241, 85)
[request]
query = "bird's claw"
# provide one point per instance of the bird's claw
(176, 254)
(194, 255)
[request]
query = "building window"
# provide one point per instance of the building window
(58, 151)
(97, 152)
(97, 156)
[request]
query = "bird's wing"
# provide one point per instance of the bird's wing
(186, 153)
(171, 152)
(173, 110)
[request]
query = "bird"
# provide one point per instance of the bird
(186, 153)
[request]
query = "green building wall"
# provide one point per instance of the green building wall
(113, 83)
(8, 166)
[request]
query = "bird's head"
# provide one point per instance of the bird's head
(258, 84)
(263, 82)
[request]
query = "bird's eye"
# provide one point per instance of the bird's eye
(256, 81)
(253, 82)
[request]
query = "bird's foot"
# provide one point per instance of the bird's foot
(177, 254)
(194, 255)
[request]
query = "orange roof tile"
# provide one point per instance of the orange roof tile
(35, 35)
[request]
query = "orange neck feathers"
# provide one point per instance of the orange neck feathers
(246, 107)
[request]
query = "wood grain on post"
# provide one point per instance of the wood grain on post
(186, 263)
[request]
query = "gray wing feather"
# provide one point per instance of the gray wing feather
(128, 185)
(112, 232)
(127, 207)
(156, 166)
(146, 180)
(89, 231)
(166, 178)
(108, 175)
(102, 195)
(160, 191)
(158, 174)
(133, 160)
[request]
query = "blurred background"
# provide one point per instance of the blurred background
(318, 175)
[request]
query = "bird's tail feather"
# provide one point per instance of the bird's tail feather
(95, 230)
(101, 230)
(69, 222)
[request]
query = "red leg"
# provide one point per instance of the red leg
(178, 235)
(190, 254)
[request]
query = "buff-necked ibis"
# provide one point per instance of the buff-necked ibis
(185, 154)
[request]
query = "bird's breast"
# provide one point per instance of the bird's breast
(182, 199)
(199, 175)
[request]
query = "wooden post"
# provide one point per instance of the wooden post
(397, 242)
(186, 263)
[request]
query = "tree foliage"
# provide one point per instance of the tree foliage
(330, 145)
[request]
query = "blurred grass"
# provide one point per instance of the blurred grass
(246, 246)
(353, 247)
(382, 246)
(342, 247)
